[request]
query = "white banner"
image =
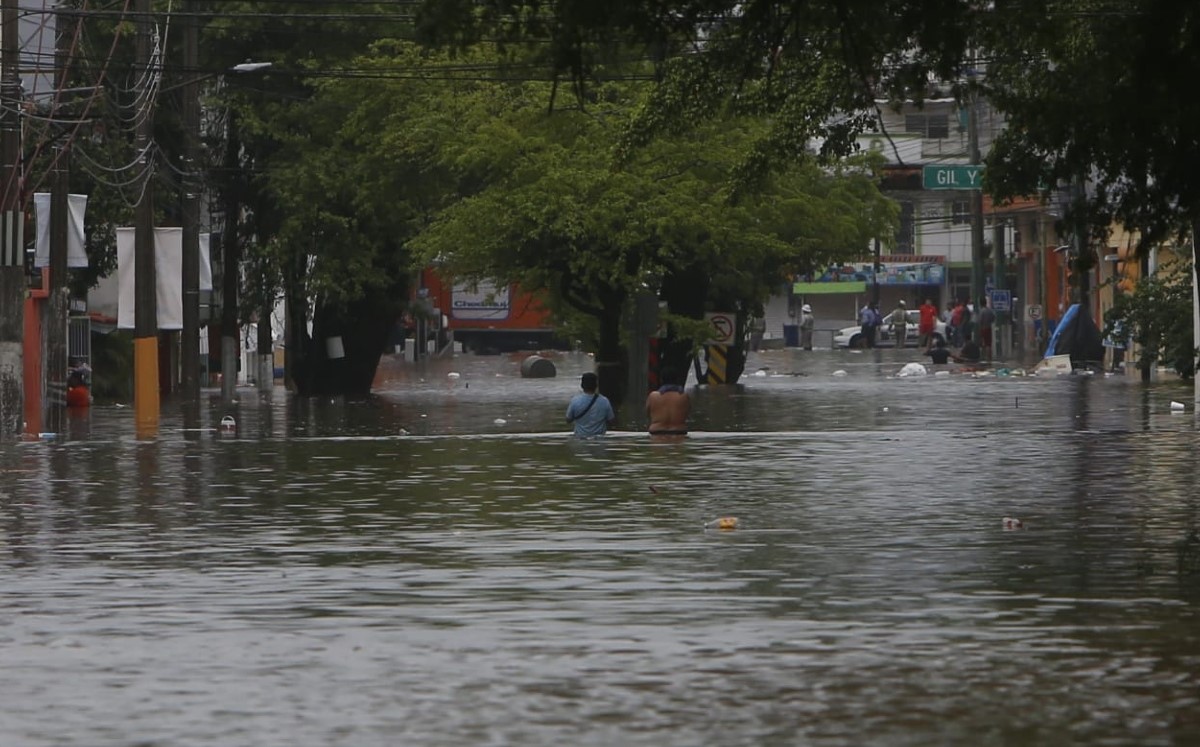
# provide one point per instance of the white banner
(168, 264)
(76, 207)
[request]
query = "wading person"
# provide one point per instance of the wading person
(668, 407)
(590, 411)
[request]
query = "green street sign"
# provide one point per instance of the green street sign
(953, 177)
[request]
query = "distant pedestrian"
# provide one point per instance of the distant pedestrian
(958, 321)
(869, 321)
(987, 320)
(926, 324)
(807, 323)
(864, 325)
(758, 328)
(899, 321)
(970, 353)
(590, 411)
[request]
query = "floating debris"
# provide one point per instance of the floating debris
(839, 372)
(725, 523)
(1011, 524)
(228, 423)
(1177, 406)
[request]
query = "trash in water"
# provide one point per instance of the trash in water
(1011, 523)
(500, 421)
(724, 523)
(912, 369)
(1177, 406)
(453, 375)
(228, 423)
(839, 372)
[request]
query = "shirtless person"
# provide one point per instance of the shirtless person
(668, 407)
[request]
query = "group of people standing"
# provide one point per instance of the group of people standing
(961, 321)
(870, 320)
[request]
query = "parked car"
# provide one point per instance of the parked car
(851, 337)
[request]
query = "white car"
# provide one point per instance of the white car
(851, 337)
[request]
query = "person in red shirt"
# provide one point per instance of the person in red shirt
(926, 324)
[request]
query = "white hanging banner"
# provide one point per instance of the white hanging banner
(168, 268)
(76, 207)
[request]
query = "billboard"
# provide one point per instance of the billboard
(894, 269)
(482, 300)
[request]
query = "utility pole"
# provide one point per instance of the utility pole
(190, 337)
(231, 260)
(145, 343)
(1083, 259)
(55, 371)
(59, 299)
(12, 225)
(977, 269)
(999, 327)
(875, 272)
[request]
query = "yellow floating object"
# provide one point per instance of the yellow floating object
(725, 522)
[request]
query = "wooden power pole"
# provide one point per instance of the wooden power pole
(12, 224)
(145, 323)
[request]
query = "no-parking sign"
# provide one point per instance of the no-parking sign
(724, 326)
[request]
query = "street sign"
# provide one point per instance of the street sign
(959, 176)
(1034, 311)
(1001, 300)
(723, 328)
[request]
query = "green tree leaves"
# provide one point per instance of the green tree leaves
(1157, 315)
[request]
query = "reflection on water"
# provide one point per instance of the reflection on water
(442, 564)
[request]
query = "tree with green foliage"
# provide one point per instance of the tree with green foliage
(1091, 90)
(1157, 315)
(543, 202)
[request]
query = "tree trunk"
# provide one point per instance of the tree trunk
(342, 354)
(356, 334)
(612, 360)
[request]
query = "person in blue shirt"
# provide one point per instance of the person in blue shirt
(590, 411)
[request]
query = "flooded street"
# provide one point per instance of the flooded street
(444, 565)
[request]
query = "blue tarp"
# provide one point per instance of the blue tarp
(1058, 329)
(1077, 336)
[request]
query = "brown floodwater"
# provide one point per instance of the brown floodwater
(441, 564)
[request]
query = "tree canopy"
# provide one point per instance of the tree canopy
(482, 178)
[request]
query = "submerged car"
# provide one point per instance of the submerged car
(851, 337)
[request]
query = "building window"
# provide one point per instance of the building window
(928, 126)
(906, 235)
(959, 212)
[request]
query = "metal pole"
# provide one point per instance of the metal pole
(190, 337)
(145, 343)
(875, 272)
(977, 270)
(12, 249)
(997, 283)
